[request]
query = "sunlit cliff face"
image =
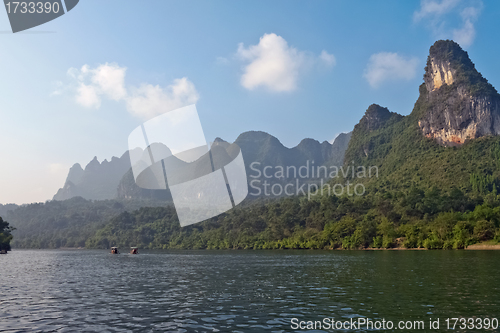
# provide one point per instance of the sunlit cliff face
(455, 115)
(441, 74)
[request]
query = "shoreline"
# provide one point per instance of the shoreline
(481, 246)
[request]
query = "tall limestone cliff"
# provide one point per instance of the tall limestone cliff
(451, 139)
(461, 104)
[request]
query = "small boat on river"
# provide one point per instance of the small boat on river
(114, 250)
(134, 250)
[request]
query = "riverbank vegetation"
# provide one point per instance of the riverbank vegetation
(5, 235)
(382, 218)
(414, 218)
(67, 223)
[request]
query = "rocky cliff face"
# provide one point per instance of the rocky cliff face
(461, 104)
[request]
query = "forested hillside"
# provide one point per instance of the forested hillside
(413, 218)
(67, 223)
(436, 185)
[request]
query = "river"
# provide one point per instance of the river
(241, 291)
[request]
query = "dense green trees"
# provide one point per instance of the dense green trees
(414, 218)
(382, 218)
(67, 223)
(5, 235)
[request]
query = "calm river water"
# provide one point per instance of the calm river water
(240, 291)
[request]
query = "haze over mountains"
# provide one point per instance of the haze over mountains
(114, 179)
(98, 181)
(456, 105)
(437, 186)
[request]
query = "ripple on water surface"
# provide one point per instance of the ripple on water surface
(238, 291)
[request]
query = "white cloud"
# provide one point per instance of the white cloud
(275, 65)
(386, 66)
(148, 101)
(111, 80)
(434, 8)
(144, 101)
(438, 14)
(328, 59)
(57, 88)
(472, 13)
(105, 80)
(88, 96)
(465, 36)
(222, 60)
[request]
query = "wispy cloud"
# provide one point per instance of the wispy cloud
(275, 65)
(222, 61)
(465, 35)
(91, 85)
(328, 59)
(106, 80)
(386, 66)
(439, 16)
(87, 96)
(148, 101)
(57, 88)
(430, 8)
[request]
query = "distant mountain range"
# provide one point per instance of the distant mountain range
(436, 186)
(114, 179)
(456, 107)
(98, 181)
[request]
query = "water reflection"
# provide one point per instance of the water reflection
(239, 291)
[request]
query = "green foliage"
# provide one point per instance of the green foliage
(484, 230)
(414, 218)
(68, 223)
(483, 183)
(411, 218)
(5, 235)
(433, 242)
(462, 235)
(424, 195)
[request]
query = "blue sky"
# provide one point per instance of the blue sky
(75, 87)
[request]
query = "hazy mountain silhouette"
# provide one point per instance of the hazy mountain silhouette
(114, 179)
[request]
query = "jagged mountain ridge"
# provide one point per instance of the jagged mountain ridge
(262, 148)
(114, 179)
(98, 181)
